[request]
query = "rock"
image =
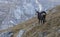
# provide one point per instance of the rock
(40, 34)
(6, 34)
(21, 32)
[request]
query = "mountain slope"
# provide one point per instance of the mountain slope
(32, 29)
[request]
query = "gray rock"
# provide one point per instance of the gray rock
(6, 34)
(21, 32)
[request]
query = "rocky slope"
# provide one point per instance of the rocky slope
(31, 28)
